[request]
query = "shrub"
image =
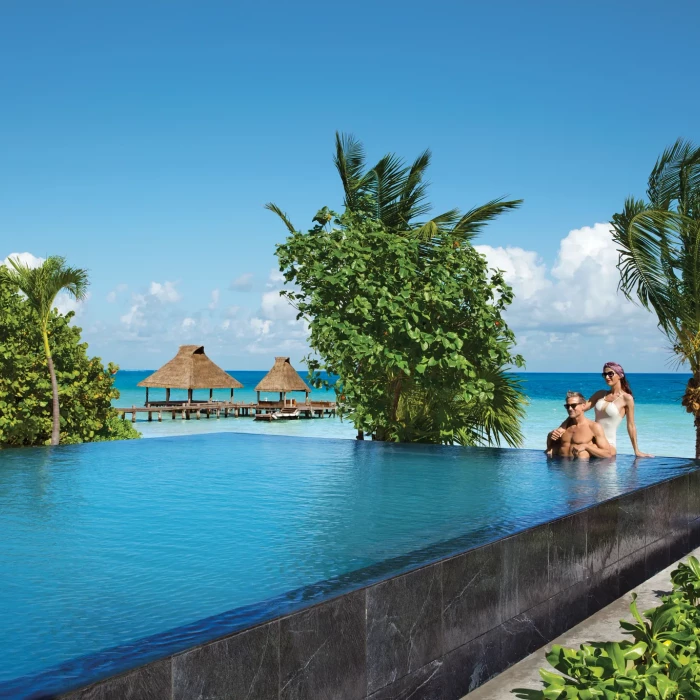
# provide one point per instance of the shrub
(86, 387)
(660, 661)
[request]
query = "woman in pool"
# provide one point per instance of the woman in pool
(611, 406)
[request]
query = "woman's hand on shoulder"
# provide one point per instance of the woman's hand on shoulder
(557, 433)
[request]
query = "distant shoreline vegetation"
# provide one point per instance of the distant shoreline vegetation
(85, 386)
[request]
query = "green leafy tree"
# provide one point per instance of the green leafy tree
(85, 386)
(41, 285)
(659, 244)
(404, 311)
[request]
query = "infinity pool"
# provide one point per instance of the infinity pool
(116, 553)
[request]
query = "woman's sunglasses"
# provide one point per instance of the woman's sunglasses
(608, 375)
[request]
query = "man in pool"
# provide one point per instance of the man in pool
(581, 438)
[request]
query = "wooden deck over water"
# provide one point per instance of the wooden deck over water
(224, 409)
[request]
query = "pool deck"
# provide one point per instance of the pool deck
(601, 626)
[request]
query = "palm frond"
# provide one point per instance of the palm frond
(42, 284)
(665, 180)
(469, 226)
(274, 208)
(647, 259)
(349, 161)
(385, 181)
(438, 224)
(414, 193)
(498, 418)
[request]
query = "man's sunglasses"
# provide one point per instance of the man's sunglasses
(608, 375)
(571, 405)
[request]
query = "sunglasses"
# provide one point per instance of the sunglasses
(571, 406)
(608, 375)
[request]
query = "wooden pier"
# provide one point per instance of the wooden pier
(223, 409)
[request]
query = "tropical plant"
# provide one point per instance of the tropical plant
(659, 245)
(661, 661)
(41, 286)
(405, 311)
(86, 387)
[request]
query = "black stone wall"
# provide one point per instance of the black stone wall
(439, 631)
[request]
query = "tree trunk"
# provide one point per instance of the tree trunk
(697, 437)
(55, 410)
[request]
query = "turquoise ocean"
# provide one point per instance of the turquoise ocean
(663, 426)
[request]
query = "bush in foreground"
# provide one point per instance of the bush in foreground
(661, 660)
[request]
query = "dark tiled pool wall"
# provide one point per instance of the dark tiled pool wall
(438, 632)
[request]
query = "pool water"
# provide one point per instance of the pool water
(106, 544)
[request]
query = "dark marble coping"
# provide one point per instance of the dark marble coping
(85, 670)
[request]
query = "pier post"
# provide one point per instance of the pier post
(133, 416)
(160, 416)
(150, 416)
(197, 414)
(172, 414)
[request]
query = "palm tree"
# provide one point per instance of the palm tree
(397, 195)
(41, 285)
(659, 245)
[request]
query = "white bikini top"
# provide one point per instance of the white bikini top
(608, 416)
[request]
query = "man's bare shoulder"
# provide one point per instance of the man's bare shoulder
(595, 427)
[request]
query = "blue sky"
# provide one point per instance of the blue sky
(142, 139)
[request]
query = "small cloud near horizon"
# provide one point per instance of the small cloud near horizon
(244, 283)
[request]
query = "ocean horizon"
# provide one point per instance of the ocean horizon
(663, 426)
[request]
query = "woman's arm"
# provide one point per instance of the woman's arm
(632, 428)
(594, 399)
(558, 432)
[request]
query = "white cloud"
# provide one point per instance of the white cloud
(275, 279)
(276, 307)
(525, 266)
(24, 258)
(112, 296)
(164, 292)
(575, 306)
(65, 303)
(214, 299)
(260, 326)
(244, 283)
(188, 322)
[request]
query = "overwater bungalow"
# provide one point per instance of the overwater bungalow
(283, 379)
(190, 369)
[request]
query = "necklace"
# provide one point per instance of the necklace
(613, 397)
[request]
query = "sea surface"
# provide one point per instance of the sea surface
(663, 426)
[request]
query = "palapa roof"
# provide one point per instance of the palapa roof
(191, 369)
(282, 377)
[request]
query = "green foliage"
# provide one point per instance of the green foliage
(41, 284)
(85, 386)
(405, 312)
(661, 660)
(659, 244)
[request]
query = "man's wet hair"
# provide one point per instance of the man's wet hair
(576, 395)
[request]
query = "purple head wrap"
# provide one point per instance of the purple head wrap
(615, 368)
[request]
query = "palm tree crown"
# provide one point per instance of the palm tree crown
(42, 284)
(659, 245)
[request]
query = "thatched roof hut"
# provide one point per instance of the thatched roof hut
(190, 369)
(282, 378)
